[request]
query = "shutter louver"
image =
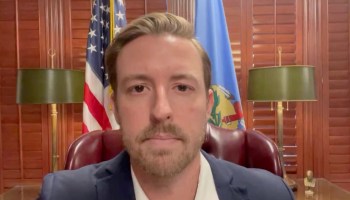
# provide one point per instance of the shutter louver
(274, 25)
(22, 129)
(233, 14)
(79, 31)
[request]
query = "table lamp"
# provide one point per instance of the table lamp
(50, 86)
(278, 84)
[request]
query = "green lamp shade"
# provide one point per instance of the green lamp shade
(47, 86)
(282, 83)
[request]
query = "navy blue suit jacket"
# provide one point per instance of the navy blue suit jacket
(112, 180)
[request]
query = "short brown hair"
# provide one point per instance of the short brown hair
(153, 24)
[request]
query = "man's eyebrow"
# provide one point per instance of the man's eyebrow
(138, 77)
(184, 77)
(144, 77)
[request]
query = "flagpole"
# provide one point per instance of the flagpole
(111, 18)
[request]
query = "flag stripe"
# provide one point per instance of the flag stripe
(95, 85)
(96, 109)
(85, 128)
(91, 123)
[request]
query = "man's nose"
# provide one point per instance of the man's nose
(161, 111)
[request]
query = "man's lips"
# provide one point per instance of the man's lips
(162, 138)
(159, 137)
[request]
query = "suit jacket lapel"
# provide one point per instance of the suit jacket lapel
(226, 186)
(114, 180)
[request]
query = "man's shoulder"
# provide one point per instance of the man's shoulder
(85, 174)
(69, 184)
(79, 183)
(258, 183)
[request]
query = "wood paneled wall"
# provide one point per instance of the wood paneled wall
(317, 134)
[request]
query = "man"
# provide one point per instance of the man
(160, 76)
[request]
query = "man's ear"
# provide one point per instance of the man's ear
(210, 102)
(113, 103)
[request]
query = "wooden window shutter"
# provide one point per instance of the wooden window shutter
(233, 14)
(274, 25)
(22, 127)
(337, 82)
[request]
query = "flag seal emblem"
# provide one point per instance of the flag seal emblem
(226, 111)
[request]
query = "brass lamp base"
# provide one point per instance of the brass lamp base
(291, 183)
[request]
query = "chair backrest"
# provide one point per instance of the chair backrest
(251, 149)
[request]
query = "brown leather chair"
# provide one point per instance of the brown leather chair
(251, 149)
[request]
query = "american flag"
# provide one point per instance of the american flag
(108, 17)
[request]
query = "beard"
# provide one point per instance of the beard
(163, 162)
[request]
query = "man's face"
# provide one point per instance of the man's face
(161, 103)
